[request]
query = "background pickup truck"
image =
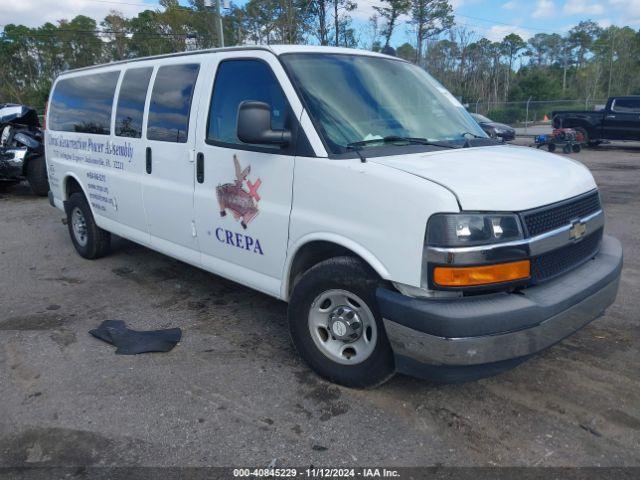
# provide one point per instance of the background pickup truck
(620, 120)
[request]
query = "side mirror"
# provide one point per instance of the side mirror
(254, 125)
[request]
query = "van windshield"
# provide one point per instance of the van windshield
(366, 100)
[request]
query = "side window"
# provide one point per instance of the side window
(626, 105)
(171, 103)
(237, 81)
(83, 104)
(130, 110)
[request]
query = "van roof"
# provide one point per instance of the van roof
(275, 49)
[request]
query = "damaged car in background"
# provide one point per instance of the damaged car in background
(22, 148)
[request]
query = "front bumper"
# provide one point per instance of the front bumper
(499, 328)
(508, 135)
(12, 163)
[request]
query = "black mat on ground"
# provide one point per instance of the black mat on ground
(131, 342)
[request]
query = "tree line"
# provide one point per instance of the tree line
(588, 62)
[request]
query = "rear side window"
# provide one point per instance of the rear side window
(133, 93)
(171, 103)
(629, 105)
(236, 82)
(83, 104)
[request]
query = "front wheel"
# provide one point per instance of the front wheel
(36, 173)
(335, 324)
(89, 240)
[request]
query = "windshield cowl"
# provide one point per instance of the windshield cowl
(392, 150)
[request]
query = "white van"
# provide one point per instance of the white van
(351, 185)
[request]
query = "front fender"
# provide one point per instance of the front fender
(339, 240)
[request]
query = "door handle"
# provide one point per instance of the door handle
(200, 167)
(149, 166)
(611, 116)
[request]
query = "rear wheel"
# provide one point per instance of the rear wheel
(585, 138)
(36, 173)
(335, 324)
(583, 132)
(89, 240)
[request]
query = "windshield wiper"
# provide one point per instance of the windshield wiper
(466, 140)
(396, 138)
(472, 134)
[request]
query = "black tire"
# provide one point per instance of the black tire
(551, 147)
(97, 242)
(36, 173)
(354, 276)
(576, 148)
(585, 135)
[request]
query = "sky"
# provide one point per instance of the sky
(489, 18)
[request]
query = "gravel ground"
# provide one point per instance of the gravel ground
(234, 393)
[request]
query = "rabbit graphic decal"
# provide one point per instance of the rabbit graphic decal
(241, 202)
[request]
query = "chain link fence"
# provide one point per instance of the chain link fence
(523, 115)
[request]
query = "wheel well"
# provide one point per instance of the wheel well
(71, 186)
(313, 253)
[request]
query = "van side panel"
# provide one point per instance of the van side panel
(107, 167)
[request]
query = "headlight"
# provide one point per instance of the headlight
(469, 229)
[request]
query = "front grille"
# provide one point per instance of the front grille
(556, 262)
(545, 219)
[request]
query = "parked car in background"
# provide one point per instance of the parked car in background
(619, 120)
(494, 129)
(21, 148)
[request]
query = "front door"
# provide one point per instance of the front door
(169, 161)
(623, 121)
(243, 192)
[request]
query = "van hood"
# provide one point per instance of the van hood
(498, 178)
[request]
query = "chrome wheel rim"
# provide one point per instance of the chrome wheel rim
(79, 227)
(342, 327)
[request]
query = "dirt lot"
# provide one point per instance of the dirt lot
(234, 393)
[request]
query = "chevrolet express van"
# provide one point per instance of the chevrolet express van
(349, 184)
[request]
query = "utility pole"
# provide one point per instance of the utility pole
(215, 6)
(610, 62)
(219, 24)
(564, 69)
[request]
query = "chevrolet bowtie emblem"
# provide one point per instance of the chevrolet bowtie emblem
(577, 230)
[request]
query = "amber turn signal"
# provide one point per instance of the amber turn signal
(481, 275)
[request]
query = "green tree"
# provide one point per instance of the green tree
(581, 37)
(81, 45)
(510, 47)
(430, 18)
(391, 11)
(406, 51)
(341, 22)
(117, 27)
